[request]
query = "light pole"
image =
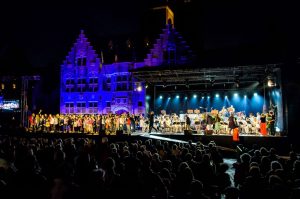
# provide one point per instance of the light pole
(24, 98)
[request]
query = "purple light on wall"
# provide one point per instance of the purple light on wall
(88, 89)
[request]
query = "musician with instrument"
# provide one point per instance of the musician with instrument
(217, 125)
(231, 109)
(223, 112)
(210, 122)
(197, 124)
(231, 123)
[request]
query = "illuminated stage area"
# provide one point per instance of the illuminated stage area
(252, 94)
(247, 105)
(279, 142)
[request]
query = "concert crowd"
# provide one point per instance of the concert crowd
(86, 168)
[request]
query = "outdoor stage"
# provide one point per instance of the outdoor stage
(281, 143)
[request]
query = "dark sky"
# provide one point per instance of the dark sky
(42, 34)
(46, 32)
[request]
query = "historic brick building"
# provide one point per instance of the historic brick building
(89, 86)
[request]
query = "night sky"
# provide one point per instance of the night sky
(39, 35)
(42, 34)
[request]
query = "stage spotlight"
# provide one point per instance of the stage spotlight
(217, 95)
(208, 96)
(139, 88)
(177, 96)
(271, 82)
(245, 96)
(169, 98)
(195, 96)
(226, 96)
(146, 86)
(185, 97)
(202, 97)
(235, 94)
(160, 97)
(255, 94)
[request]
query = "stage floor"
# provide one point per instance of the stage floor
(281, 143)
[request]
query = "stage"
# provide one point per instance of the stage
(281, 143)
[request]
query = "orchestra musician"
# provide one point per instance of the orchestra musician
(167, 123)
(231, 109)
(210, 122)
(223, 112)
(231, 123)
(197, 124)
(176, 124)
(217, 125)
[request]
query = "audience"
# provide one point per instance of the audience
(85, 168)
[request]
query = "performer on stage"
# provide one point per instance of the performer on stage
(217, 125)
(151, 122)
(263, 125)
(271, 123)
(188, 122)
(210, 122)
(197, 124)
(231, 109)
(235, 134)
(231, 123)
(223, 112)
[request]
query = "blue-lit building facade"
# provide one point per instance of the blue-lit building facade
(90, 87)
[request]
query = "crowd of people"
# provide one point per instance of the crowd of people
(87, 168)
(218, 122)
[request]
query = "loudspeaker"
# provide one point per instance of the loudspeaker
(119, 132)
